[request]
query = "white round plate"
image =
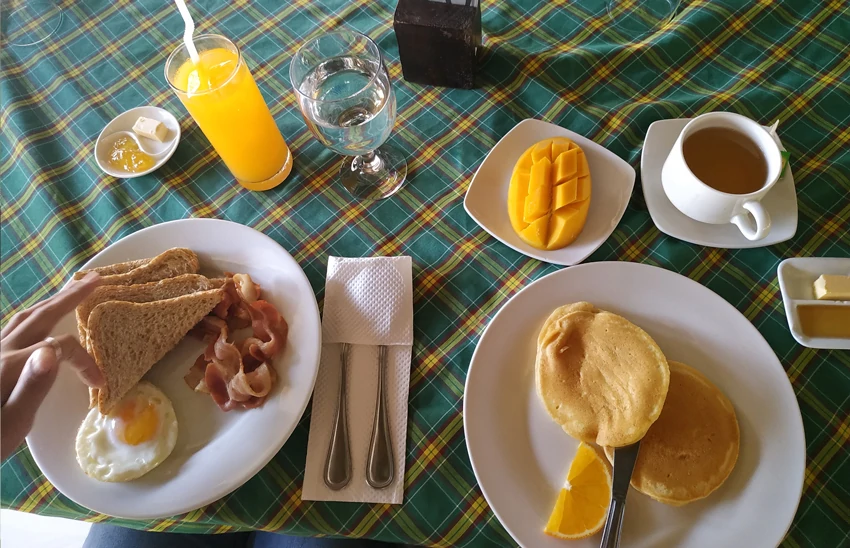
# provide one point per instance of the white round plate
(125, 122)
(486, 199)
(520, 456)
(216, 452)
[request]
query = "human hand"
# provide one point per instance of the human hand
(29, 360)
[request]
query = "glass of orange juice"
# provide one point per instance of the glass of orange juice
(222, 97)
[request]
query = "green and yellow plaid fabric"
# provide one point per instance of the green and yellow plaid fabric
(557, 60)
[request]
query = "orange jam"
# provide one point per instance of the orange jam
(125, 154)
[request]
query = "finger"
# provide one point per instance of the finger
(24, 314)
(19, 317)
(44, 317)
(19, 410)
(71, 353)
(16, 319)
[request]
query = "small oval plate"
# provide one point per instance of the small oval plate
(124, 122)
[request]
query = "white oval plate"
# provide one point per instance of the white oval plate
(125, 122)
(520, 456)
(216, 452)
(487, 197)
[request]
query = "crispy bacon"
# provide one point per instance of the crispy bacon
(246, 288)
(239, 374)
(233, 308)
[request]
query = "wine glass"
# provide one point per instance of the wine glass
(345, 95)
(638, 17)
(30, 22)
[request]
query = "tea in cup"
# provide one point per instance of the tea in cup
(720, 168)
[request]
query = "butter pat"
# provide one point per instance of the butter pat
(150, 128)
(833, 287)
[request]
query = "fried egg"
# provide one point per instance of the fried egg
(131, 440)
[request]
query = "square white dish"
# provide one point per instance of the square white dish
(612, 180)
(780, 202)
(796, 279)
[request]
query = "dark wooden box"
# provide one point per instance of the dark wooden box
(438, 42)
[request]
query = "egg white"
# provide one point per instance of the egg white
(105, 457)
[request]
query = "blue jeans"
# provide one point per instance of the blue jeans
(110, 536)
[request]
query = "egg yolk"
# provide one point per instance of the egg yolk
(139, 425)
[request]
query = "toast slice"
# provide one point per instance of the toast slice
(143, 293)
(174, 262)
(126, 339)
(118, 268)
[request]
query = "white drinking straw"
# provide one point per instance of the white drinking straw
(189, 31)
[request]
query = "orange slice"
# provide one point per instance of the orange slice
(582, 504)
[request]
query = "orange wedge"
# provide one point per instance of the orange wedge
(583, 501)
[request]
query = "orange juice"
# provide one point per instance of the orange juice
(222, 97)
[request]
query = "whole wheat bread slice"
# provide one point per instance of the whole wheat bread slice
(140, 293)
(174, 262)
(118, 268)
(126, 339)
(143, 293)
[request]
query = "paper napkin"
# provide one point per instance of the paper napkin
(368, 302)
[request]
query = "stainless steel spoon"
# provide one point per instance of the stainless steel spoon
(380, 471)
(624, 464)
(338, 463)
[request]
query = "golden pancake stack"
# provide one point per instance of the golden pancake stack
(605, 381)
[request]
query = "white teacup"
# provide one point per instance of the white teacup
(703, 203)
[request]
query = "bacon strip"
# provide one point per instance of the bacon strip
(239, 374)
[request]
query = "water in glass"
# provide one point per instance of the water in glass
(349, 104)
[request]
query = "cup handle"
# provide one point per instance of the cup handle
(762, 221)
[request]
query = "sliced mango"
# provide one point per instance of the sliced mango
(536, 233)
(549, 194)
(539, 199)
(517, 193)
(565, 225)
(566, 165)
(566, 193)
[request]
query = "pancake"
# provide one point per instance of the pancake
(693, 446)
(602, 378)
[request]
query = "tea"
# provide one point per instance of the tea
(726, 160)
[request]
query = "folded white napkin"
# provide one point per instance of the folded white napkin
(368, 302)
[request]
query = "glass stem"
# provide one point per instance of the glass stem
(372, 163)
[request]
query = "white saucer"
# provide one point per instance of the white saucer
(780, 202)
(796, 279)
(124, 122)
(612, 180)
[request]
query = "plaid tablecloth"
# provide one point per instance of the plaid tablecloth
(559, 61)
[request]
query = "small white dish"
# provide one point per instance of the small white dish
(780, 202)
(796, 277)
(124, 122)
(216, 451)
(612, 180)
